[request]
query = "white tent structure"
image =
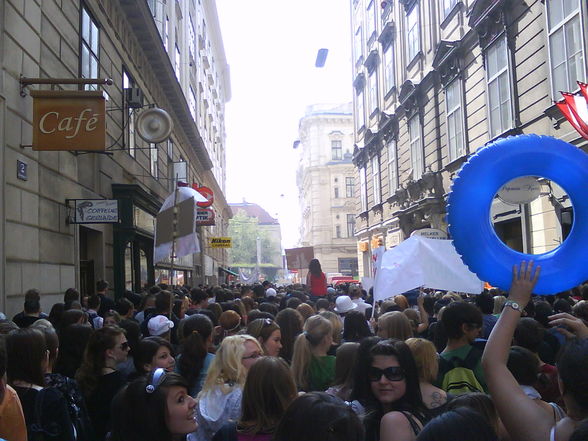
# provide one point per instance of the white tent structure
(430, 263)
(175, 228)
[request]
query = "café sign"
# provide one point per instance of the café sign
(69, 120)
(93, 211)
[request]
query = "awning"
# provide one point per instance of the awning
(228, 271)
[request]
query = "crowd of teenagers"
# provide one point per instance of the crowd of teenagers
(297, 363)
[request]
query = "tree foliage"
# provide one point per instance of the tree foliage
(244, 232)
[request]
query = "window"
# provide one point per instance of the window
(566, 49)
(336, 192)
(370, 21)
(177, 63)
(90, 46)
(448, 6)
(348, 266)
(166, 33)
(392, 166)
(455, 130)
(357, 44)
(416, 148)
(192, 103)
(349, 187)
(338, 231)
(376, 180)
(360, 120)
(389, 67)
(363, 189)
(499, 94)
(373, 91)
(191, 38)
(350, 225)
(153, 160)
(336, 150)
(170, 148)
(413, 41)
(129, 116)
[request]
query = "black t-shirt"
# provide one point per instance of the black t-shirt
(99, 400)
(52, 413)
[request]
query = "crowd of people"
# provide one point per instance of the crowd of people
(301, 362)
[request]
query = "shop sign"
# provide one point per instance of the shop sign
(205, 217)
(520, 191)
(69, 120)
(299, 258)
(207, 193)
(94, 211)
(430, 233)
(220, 242)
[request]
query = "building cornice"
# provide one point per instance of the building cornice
(141, 21)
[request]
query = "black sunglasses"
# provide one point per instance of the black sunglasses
(393, 373)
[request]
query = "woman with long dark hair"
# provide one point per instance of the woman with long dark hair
(153, 408)
(98, 378)
(316, 281)
(390, 393)
(45, 408)
(290, 322)
(194, 360)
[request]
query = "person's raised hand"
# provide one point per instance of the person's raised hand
(570, 326)
(524, 280)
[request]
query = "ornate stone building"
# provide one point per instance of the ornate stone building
(326, 187)
(168, 52)
(436, 80)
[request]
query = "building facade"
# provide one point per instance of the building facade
(169, 54)
(326, 187)
(257, 241)
(435, 81)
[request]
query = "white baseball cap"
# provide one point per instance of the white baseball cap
(159, 325)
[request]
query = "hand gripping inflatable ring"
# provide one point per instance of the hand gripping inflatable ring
(470, 199)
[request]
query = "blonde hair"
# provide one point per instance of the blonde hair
(335, 322)
(452, 296)
(425, 357)
(498, 304)
(394, 324)
(401, 301)
(316, 329)
(226, 369)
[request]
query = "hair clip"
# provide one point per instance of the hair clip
(157, 378)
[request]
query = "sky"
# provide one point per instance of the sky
(271, 48)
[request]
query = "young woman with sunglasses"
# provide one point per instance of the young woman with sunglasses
(154, 408)
(98, 378)
(390, 393)
(267, 332)
(220, 399)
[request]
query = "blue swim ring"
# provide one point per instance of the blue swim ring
(470, 200)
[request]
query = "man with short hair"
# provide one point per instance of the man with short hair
(93, 307)
(106, 303)
(485, 303)
(30, 295)
(462, 322)
(32, 311)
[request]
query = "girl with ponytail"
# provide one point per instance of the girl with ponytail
(194, 360)
(313, 369)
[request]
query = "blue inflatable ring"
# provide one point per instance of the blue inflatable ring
(470, 200)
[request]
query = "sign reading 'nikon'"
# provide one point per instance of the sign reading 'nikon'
(220, 242)
(69, 120)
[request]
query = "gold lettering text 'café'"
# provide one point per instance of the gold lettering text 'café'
(69, 120)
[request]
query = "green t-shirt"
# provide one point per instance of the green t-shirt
(321, 373)
(462, 353)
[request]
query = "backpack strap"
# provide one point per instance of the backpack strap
(472, 358)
